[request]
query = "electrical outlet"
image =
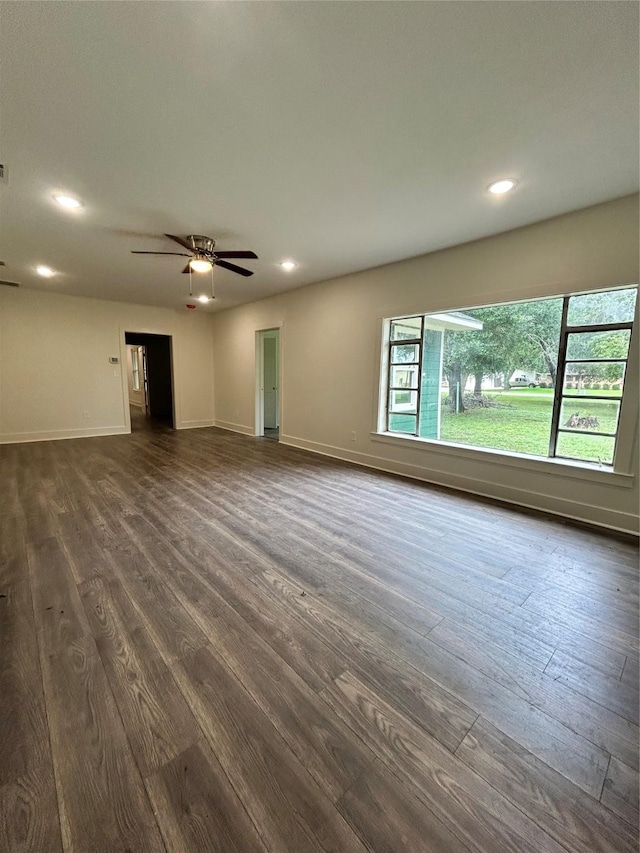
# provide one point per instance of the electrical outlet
(353, 436)
(85, 415)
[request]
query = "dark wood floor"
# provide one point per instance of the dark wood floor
(217, 643)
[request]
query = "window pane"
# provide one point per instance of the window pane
(402, 423)
(596, 415)
(404, 377)
(403, 401)
(516, 340)
(594, 378)
(402, 353)
(598, 344)
(517, 421)
(589, 448)
(613, 306)
(406, 328)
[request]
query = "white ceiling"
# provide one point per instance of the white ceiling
(343, 135)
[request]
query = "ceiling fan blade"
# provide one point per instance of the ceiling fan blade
(179, 240)
(234, 268)
(182, 254)
(236, 255)
(187, 269)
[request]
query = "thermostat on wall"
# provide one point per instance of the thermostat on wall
(114, 360)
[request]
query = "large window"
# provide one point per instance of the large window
(541, 378)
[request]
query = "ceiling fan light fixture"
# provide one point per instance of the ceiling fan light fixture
(45, 272)
(501, 187)
(199, 264)
(67, 201)
(288, 265)
(203, 298)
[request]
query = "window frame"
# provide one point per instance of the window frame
(559, 396)
(391, 364)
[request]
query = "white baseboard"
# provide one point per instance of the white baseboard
(133, 403)
(617, 520)
(241, 428)
(207, 422)
(59, 434)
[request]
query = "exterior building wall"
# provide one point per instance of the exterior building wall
(430, 384)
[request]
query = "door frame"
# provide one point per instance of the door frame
(259, 378)
(145, 380)
(123, 330)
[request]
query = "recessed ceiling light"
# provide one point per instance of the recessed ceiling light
(200, 264)
(500, 187)
(288, 265)
(45, 272)
(67, 201)
(203, 298)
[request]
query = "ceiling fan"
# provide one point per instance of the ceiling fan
(8, 283)
(202, 255)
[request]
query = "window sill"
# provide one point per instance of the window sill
(563, 467)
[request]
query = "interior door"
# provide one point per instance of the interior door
(270, 376)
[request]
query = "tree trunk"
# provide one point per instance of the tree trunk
(477, 388)
(548, 360)
(456, 389)
(552, 370)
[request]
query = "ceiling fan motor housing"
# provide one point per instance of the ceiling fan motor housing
(201, 244)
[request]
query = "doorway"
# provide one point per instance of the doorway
(150, 379)
(268, 383)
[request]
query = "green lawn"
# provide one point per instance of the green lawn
(522, 424)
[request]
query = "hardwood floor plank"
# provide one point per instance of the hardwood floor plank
(285, 804)
(155, 716)
(631, 672)
(162, 615)
(28, 803)
(447, 675)
(29, 820)
(85, 556)
(484, 819)
(197, 809)
(322, 744)
(607, 691)
(315, 642)
(620, 792)
(102, 801)
(230, 585)
(617, 623)
(574, 819)
(560, 581)
(547, 692)
(390, 819)
(436, 709)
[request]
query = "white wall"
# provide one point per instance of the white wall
(330, 346)
(54, 364)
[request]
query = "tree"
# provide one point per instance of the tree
(523, 335)
(526, 335)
